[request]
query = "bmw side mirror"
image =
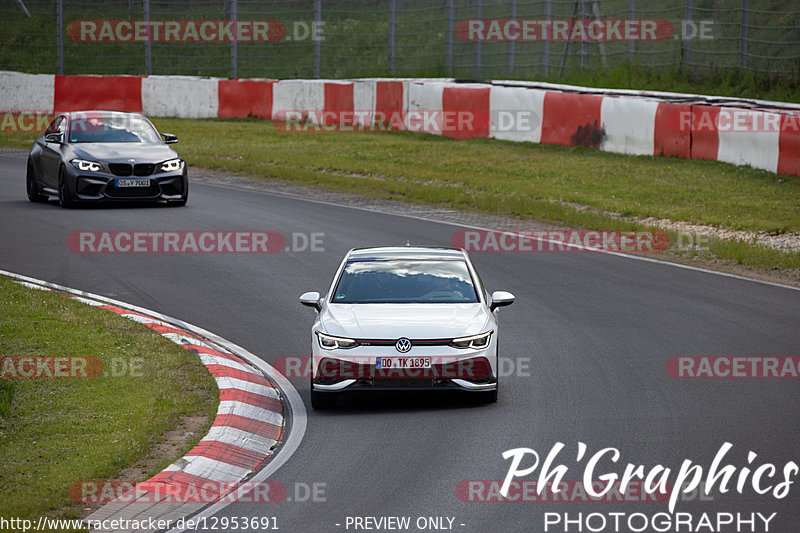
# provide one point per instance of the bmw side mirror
(56, 138)
(169, 138)
(501, 299)
(311, 299)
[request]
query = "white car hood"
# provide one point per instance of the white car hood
(414, 321)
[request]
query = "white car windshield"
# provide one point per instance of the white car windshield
(405, 281)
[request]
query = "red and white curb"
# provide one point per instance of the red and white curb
(249, 429)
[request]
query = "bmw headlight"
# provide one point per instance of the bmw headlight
(172, 165)
(477, 342)
(329, 342)
(84, 165)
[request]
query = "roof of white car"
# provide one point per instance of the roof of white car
(405, 252)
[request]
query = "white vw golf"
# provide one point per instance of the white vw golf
(404, 318)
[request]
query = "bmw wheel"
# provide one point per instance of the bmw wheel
(64, 198)
(32, 187)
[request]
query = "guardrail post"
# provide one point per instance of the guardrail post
(687, 43)
(235, 42)
(148, 45)
(60, 36)
(477, 67)
(512, 44)
(546, 45)
(392, 24)
(584, 52)
(743, 29)
(450, 25)
(317, 42)
(631, 42)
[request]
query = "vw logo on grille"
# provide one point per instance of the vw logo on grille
(131, 161)
(403, 345)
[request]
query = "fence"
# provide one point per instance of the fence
(373, 38)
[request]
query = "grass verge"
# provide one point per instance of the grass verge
(59, 431)
(567, 186)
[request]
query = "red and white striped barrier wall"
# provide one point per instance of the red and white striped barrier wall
(297, 95)
(516, 115)
(757, 145)
(179, 96)
(572, 119)
(245, 98)
(26, 92)
(464, 104)
(789, 144)
(628, 125)
(668, 139)
(629, 122)
(120, 93)
(427, 97)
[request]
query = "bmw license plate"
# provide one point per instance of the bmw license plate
(403, 362)
(143, 182)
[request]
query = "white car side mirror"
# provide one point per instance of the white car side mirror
(311, 299)
(501, 299)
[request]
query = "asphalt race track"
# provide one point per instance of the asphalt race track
(595, 329)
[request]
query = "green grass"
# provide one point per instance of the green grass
(525, 180)
(54, 432)
(518, 179)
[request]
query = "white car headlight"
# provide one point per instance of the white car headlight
(172, 165)
(84, 165)
(477, 342)
(329, 342)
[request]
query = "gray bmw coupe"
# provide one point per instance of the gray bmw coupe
(96, 156)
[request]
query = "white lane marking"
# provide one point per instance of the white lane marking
(470, 226)
(297, 410)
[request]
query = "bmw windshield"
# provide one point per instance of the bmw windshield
(99, 127)
(405, 281)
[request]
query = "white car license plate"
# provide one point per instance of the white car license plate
(403, 362)
(144, 182)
